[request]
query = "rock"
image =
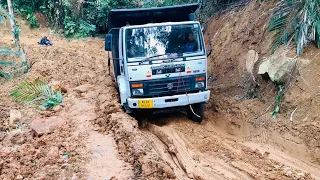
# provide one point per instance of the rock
(300, 175)
(24, 148)
(19, 177)
(2, 136)
(96, 127)
(18, 138)
(53, 152)
(278, 66)
(15, 117)
(57, 108)
(316, 155)
(252, 58)
(43, 108)
(83, 88)
(43, 126)
(46, 113)
(57, 86)
(74, 177)
(65, 166)
(64, 90)
(102, 129)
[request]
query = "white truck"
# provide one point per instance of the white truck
(159, 59)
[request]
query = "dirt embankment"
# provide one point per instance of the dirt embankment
(237, 140)
(243, 109)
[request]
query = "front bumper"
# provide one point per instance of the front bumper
(172, 101)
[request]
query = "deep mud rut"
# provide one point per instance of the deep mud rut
(105, 143)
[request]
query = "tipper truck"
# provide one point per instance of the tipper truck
(159, 59)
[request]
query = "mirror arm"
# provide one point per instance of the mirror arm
(109, 62)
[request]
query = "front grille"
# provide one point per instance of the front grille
(160, 87)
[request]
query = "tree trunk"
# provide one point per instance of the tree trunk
(15, 34)
(11, 18)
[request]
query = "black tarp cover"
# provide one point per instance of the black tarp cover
(121, 17)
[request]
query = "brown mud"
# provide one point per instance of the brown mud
(237, 140)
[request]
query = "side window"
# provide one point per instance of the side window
(192, 42)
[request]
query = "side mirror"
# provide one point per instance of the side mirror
(108, 42)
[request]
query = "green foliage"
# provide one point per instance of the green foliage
(27, 9)
(3, 15)
(69, 27)
(6, 63)
(33, 21)
(2, 65)
(85, 29)
(80, 18)
(78, 30)
(5, 50)
(29, 92)
(279, 97)
(297, 20)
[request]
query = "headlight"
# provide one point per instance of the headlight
(137, 92)
(199, 84)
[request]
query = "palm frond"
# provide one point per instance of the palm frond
(297, 20)
(5, 75)
(29, 92)
(317, 32)
(9, 52)
(6, 63)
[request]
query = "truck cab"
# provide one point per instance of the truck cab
(159, 59)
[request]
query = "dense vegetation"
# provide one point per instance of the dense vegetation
(78, 18)
(295, 21)
(75, 18)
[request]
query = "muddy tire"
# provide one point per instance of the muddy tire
(198, 109)
(142, 116)
(138, 116)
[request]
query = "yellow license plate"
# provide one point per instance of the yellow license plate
(144, 104)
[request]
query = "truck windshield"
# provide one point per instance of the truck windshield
(163, 42)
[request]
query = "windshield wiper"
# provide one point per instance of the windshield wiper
(149, 58)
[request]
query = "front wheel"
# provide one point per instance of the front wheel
(197, 113)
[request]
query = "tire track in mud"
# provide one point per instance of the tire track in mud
(223, 158)
(182, 149)
(195, 165)
(153, 151)
(133, 145)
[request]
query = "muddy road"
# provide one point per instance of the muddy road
(237, 140)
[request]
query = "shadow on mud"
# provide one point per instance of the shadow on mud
(159, 119)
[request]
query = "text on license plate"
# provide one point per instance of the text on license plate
(145, 104)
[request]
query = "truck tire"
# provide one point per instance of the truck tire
(137, 116)
(197, 109)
